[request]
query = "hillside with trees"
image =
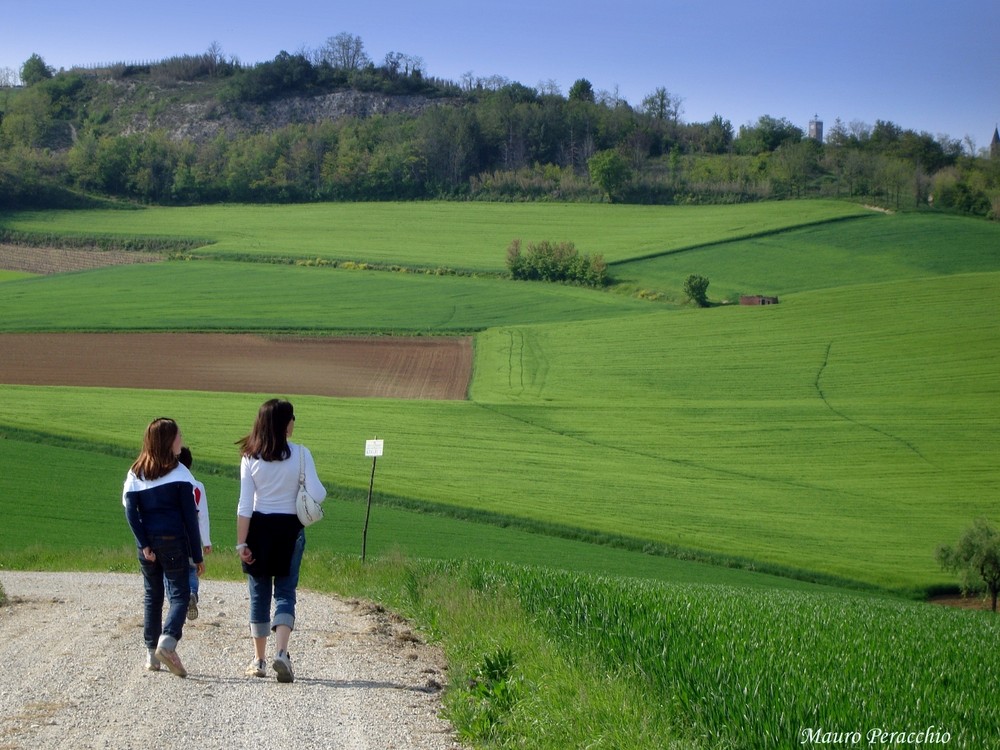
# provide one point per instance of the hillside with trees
(333, 125)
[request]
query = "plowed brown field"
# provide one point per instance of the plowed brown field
(48, 260)
(363, 367)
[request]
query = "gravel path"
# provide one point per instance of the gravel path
(72, 676)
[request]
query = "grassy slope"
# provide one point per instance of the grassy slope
(830, 453)
(218, 296)
(89, 483)
(863, 250)
(14, 275)
(846, 431)
(434, 234)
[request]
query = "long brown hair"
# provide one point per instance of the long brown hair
(157, 457)
(268, 440)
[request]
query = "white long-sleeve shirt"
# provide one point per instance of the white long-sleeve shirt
(201, 503)
(271, 486)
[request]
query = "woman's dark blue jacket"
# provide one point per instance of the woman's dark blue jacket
(163, 507)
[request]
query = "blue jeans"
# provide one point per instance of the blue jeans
(279, 588)
(193, 578)
(166, 577)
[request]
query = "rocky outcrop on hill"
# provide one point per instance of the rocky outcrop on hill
(201, 121)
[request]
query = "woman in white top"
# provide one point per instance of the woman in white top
(269, 538)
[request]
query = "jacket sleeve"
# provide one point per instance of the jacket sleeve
(135, 520)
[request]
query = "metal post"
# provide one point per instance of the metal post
(373, 448)
(364, 536)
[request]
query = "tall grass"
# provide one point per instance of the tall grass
(713, 666)
(756, 669)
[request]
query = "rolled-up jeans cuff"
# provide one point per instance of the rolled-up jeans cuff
(260, 629)
(283, 618)
(167, 642)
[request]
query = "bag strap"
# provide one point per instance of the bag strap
(302, 469)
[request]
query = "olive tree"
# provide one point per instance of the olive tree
(976, 558)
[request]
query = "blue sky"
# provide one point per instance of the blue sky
(926, 65)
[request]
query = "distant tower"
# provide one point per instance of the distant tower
(995, 145)
(816, 129)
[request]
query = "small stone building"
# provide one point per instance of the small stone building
(757, 299)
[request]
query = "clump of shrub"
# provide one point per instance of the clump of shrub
(556, 261)
(493, 693)
(696, 289)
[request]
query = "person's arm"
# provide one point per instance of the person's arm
(248, 490)
(242, 529)
(244, 510)
(203, 521)
(189, 515)
(135, 521)
(314, 486)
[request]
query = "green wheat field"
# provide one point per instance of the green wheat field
(710, 498)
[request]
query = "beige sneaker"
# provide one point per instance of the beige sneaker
(257, 668)
(169, 658)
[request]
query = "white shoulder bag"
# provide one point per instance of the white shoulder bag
(306, 508)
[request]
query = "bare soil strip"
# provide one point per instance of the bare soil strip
(49, 260)
(348, 367)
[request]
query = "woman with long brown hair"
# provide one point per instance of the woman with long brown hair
(160, 508)
(269, 538)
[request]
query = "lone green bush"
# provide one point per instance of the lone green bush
(559, 261)
(696, 289)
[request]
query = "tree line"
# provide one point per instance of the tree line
(479, 138)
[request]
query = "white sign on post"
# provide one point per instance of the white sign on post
(373, 449)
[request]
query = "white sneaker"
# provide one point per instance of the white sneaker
(152, 663)
(282, 666)
(257, 668)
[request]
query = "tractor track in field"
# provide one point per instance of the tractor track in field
(847, 418)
